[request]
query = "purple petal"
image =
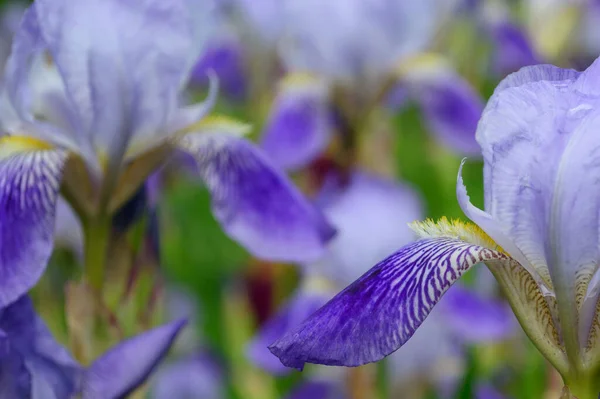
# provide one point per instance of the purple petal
(193, 377)
(452, 109)
(513, 49)
(379, 312)
(299, 127)
(49, 366)
(225, 59)
(290, 316)
(255, 203)
(126, 366)
(370, 214)
(315, 389)
(29, 184)
(473, 318)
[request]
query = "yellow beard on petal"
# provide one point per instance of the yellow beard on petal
(465, 231)
(10, 145)
(218, 123)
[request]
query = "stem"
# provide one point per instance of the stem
(96, 235)
(582, 387)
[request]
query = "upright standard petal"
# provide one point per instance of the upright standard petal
(379, 312)
(299, 127)
(541, 176)
(126, 366)
(121, 64)
(29, 183)
(254, 202)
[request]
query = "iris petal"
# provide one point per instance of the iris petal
(126, 366)
(254, 202)
(299, 127)
(29, 184)
(380, 311)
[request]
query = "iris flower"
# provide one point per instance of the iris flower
(370, 214)
(34, 365)
(90, 108)
(538, 235)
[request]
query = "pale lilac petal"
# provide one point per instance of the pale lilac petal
(29, 184)
(379, 312)
(536, 143)
(32, 87)
(317, 389)
(537, 73)
(299, 127)
(452, 109)
(197, 376)
(472, 318)
(122, 63)
(370, 214)
(255, 203)
(288, 317)
(52, 373)
(126, 366)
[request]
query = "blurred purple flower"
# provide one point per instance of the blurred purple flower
(197, 376)
(95, 87)
(512, 48)
(299, 126)
(450, 106)
(34, 365)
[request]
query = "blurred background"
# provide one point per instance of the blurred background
(369, 106)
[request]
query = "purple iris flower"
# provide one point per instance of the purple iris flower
(371, 214)
(91, 106)
(34, 365)
(538, 235)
